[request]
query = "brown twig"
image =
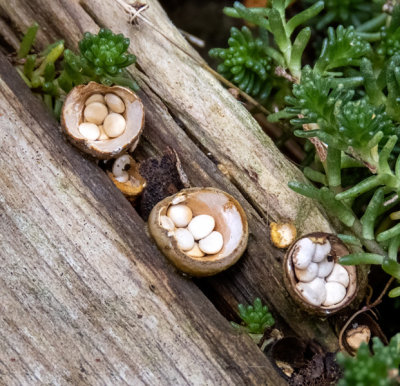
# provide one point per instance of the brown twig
(280, 71)
(369, 296)
(362, 310)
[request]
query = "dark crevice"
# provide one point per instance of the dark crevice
(211, 156)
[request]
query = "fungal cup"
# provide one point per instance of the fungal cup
(330, 289)
(230, 223)
(73, 115)
(126, 177)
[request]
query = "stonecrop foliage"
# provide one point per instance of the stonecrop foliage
(53, 72)
(256, 317)
(378, 369)
(245, 63)
(347, 97)
(347, 12)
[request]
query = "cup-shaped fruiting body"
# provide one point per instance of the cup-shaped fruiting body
(363, 327)
(282, 234)
(313, 276)
(126, 177)
(222, 242)
(117, 132)
(354, 337)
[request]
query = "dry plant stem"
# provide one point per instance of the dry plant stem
(194, 40)
(368, 307)
(284, 74)
(265, 336)
(137, 14)
(369, 295)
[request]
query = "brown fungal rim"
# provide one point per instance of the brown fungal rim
(72, 116)
(195, 198)
(339, 250)
(130, 190)
(363, 320)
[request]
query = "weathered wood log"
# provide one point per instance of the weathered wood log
(214, 133)
(85, 298)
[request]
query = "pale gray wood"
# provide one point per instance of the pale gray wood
(84, 297)
(259, 273)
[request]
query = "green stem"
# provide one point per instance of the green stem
(349, 239)
(394, 248)
(371, 213)
(333, 162)
(370, 245)
(370, 36)
(298, 47)
(362, 187)
(390, 233)
(361, 258)
(24, 78)
(304, 16)
(372, 24)
(53, 55)
(28, 40)
(315, 176)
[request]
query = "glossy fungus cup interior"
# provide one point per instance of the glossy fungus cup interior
(230, 221)
(338, 250)
(72, 117)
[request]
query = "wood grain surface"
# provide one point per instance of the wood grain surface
(217, 140)
(85, 298)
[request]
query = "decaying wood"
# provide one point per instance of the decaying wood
(210, 114)
(84, 296)
(217, 140)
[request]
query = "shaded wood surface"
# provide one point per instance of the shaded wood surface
(188, 110)
(84, 296)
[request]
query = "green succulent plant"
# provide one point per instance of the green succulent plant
(347, 12)
(246, 63)
(55, 71)
(343, 47)
(251, 62)
(352, 126)
(378, 369)
(256, 318)
(390, 36)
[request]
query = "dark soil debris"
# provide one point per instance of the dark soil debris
(162, 180)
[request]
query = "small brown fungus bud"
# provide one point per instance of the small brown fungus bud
(356, 336)
(282, 235)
